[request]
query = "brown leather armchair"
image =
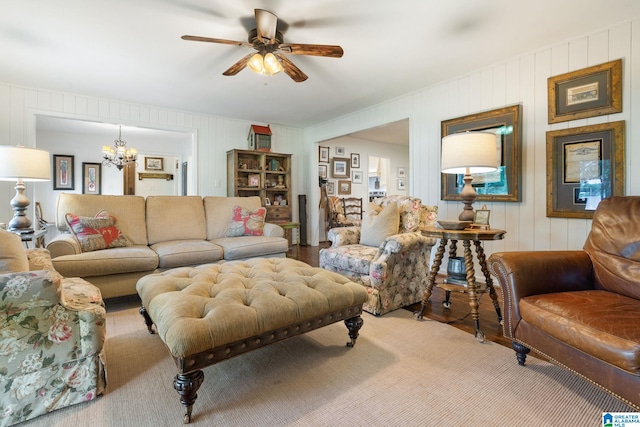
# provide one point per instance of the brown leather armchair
(581, 309)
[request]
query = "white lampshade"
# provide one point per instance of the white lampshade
(27, 164)
(469, 152)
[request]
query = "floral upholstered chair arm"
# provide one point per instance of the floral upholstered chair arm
(40, 259)
(25, 290)
(342, 236)
(400, 257)
(52, 332)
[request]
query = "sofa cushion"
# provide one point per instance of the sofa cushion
(175, 218)
(217, 207)
(107, 262)
(603, 324)
(378, 225)
(355, 260)
(96, 233)
(245, 222)
(251, 246)
(180, 253)
(130, 211)
(13, 257)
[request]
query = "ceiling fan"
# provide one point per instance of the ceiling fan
(269, 43)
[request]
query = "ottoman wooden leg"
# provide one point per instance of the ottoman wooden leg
(187, 386)
(147, 319)
(353, 324)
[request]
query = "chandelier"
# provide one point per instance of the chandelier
(119, 156)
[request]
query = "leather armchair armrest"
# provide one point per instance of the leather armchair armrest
(63, 244)
(521, 274)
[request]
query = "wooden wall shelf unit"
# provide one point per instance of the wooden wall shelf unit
(272, 174)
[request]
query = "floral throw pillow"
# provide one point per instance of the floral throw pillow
(247, 223)
(96, 233)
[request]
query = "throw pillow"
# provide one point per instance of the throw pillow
(247, 223)
(96, 233)
(378, 225)
(13, 257)
(428, 216)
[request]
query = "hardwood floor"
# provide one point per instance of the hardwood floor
(458, 315)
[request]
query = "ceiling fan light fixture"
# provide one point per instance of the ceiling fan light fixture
(256, 64)
(271, 64)
(268, 64)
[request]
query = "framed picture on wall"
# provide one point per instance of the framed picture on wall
(322, 171)
(355, 161)
(589, 92)
(323, 154)
(356, 177)
(402, 184)
(91, 178)
(340, 167)
(584, 166)
(331, 188)
(63, 172)
(344, 187)
(153, 163)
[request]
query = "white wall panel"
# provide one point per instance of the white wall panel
(521, 80)
(213, 135)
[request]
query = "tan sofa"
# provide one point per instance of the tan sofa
(165, 232)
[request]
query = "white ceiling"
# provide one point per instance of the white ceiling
(131, 50)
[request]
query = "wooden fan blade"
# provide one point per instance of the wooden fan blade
(312, 49)
(292, 71)
(266, 23)
(238, 66)
(212, 40)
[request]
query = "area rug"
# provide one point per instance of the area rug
(401, 372)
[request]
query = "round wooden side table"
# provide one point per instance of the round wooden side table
(467, 236)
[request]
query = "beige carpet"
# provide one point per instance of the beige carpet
(401, 372)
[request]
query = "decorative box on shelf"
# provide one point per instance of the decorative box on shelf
(259, 138)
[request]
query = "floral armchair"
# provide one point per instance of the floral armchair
(395, 271)
(52, 331)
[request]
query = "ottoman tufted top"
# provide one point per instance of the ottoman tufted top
(199, 308)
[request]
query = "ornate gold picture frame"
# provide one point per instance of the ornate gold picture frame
(589, 92)
(504, 184)
(584, 166)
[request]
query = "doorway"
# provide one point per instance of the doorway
(390, 141)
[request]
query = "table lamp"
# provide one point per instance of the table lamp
(467, 153)
(22, 164)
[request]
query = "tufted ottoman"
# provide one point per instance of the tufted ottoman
(213, 312)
